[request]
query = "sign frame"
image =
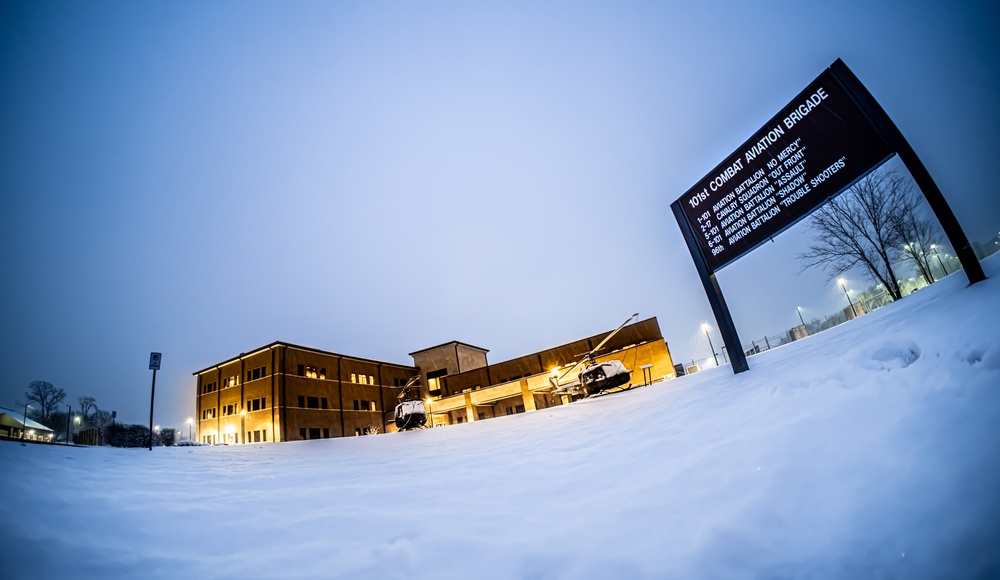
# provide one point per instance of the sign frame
(874, 119)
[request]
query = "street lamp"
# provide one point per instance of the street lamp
(940, 263)
(69, 425)
(243, 424)
(706, 328)
(190, 423)
(843, 284)
(799, 310)
(24, 424)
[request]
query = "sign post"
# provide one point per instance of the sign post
(827, 138)
(154, 365)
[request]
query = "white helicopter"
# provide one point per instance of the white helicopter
(410, 414)
(595, 378)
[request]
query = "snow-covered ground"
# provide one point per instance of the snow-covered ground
(869, 451)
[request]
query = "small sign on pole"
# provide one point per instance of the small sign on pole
(154, 365)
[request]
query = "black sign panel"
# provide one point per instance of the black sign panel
(815, 147)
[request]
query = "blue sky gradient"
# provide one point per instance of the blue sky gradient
(204, 178)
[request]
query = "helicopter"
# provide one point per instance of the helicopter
(596, 377)
(410, 414)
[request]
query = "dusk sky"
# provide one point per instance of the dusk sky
(204, 178)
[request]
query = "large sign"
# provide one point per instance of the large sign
(830, 135)
(818, 145)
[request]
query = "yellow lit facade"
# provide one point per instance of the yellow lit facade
(286, 392)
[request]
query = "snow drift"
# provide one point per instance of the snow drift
(866, 451)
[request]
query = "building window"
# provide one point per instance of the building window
(519, 409)
(302, 402)
(312, 372)
(509, 411)
(364, 405)
(326, 432)
(354, 378)
(302, 432)
(460, 419)
(302, 370)
(371, 380)
(256, 373)
(434, 382)
(482, 415)
(312, 402)
(324, 403)
(314, 432)
(209, 388)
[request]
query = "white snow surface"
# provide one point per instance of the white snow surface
(868, 451)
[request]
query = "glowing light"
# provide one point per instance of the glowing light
(705, 327)
(230, 429)
(243, 412)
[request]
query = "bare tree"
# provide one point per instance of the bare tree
(918, 235)
(858, 229)
(46, 396)
(88, 406)
(100, 418)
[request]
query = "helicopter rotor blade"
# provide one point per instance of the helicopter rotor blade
(589, 357)
(613, 332)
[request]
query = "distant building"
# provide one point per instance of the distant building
(14, 425)
(286, 392)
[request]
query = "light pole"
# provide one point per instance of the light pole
(799, 310)
(843, 284)
(190, 423)
(706, 328)
(24, 424)
(940, 263)
(69, 425)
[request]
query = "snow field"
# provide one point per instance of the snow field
(866, 451)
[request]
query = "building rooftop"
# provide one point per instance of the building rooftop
(450, 343)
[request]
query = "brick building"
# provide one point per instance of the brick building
(285, 392)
